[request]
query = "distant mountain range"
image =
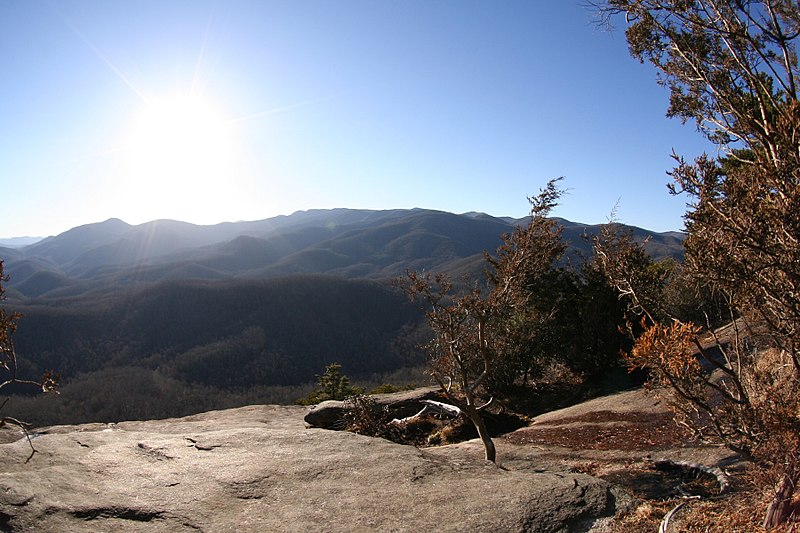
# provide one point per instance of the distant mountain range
(111, 255)
(19, 242)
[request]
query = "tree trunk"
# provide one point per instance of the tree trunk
(780, 507)
(483, 433)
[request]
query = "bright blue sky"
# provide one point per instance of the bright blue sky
(241, 110)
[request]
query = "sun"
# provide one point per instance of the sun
(179, 159)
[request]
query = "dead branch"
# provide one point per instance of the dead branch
(722, 478)
(431, 406)
(21, 425)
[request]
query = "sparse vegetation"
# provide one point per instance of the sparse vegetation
(366, 417)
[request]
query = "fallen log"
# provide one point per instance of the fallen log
(669, 464)
(431, 406)
(721, 477)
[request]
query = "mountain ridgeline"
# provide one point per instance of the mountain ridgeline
(168, 318)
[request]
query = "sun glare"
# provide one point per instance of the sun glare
(180, 155)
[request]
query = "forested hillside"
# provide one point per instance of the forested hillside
(168, 318)
(216, 339)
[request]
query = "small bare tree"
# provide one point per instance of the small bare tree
(8, 363)
(473, 328)
(463, 351)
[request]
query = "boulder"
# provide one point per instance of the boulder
(326, 415)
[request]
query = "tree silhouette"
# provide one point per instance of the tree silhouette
(332, 385)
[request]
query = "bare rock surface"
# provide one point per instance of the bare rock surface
(624, 439)
(258, 468)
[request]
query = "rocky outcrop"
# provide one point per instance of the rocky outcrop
(259, 469)
(329, 414)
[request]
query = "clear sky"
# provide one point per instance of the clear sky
(211, 111)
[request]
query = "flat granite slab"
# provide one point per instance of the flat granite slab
(258, 468)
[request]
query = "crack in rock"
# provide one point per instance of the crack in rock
(123, 513)
(202, 447)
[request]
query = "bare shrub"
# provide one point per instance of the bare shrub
(8, 363)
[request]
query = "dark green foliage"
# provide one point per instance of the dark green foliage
(560, 316)
(477, 334)
(536, 316)
(332, 385)
(632, 273)
(690, 300)
(576, 322)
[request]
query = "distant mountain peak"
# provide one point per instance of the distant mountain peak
(110, 222)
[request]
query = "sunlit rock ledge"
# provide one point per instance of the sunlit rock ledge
(259, 468)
